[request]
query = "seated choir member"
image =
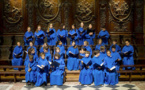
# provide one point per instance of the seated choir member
(44, 45)
(32, 46)
(90, 35)
(39, 36)
(81, 34)
(110, 65)
(43, 67)
(73, 35)
(99, 44)
(128, 52)
(30, 69)
(28, 36)
(47, 54)
(118, 48)
(60, 45)
(62, 35)
(104, 35)
(86, 77)
(17, 56)
(103, 51)
(117, 57)
(88, 48)
(56, 76)
(51, 35)
(72, 61)
(82, 53)
(57, 50)
(98, 68)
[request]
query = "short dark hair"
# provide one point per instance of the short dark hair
(96, 52)
(127, 40)
(29, 51)
(113, 47)
(57, 55)
(45, 48)
(102, 48)
(115, 40)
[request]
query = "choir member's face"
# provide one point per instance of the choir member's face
(82, 24)
(103, 29)
(113, 49)
(127, 43)
(103, 50)
(28, 29)
(63, 27)
(30, 60)
(56, 57)
(85, 44)
(87, 55)
(31, 44)
(73, 43)
(114, 42)
(39, 27)
(108, 53)
(33, 51)
(44, 45)
(18, 43)
(100, 41)
(43, 56)
(82, 50)
(98, 54)
(60, 43)
(44, 50)
(57, 50)
(90, 25)
(51, 26)
(73, 27)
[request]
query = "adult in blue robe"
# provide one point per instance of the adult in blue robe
(104, 35)
(60, 53)
(17, 56)
(128, 52)
(32, 47)
(86, 77)
(81, 34)
(118, 48)
(41, 49)
(30, 76)
(72, 61)
(42, 74)
(28, 36)
(56, 76)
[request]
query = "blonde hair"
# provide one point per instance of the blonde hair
(86, 42)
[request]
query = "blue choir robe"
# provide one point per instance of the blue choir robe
(62, 36)
(118, 48)
(103, 54)
(81, 37)
(111, 76)
(88, 48)
(72, 32)
(42, 74)
(56, 76)
(128, 59)
(29, 36)
(35, 58)
(60, 53)
(17, 61)
(98, 46)
(106, 36)
(32, 47)
(52, 38)
(98, 73)
(39, 41)
(48, 56)
(90, 38)
(72, 61)
(61, 47)
(86, 76)
(41, 50)
(30, 76)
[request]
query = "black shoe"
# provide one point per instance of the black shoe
(32, 84)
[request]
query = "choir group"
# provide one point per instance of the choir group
(100, 67)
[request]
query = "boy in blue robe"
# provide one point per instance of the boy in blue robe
(103, 52)
(62, 35)
(98, 68)
(118, 48)
(104, 35)
(57, 74)
(88, 48)
(44, 45)
(90, 35)
(28, 36)
(82, 53)
(51, 35)
(86, 77)
(17, 56)
(62, 49)
(43, 67)
(57, 50)
(32, 46)
(99, 44)
(47, 54)
(39, 36)
(72, 61)
(30, 69)
(128, 52)
(81, 34)
(110, 65)
(73, 35)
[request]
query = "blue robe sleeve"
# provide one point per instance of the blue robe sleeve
(107, 34)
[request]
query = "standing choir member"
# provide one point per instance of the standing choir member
(110, 65)
(60, 45)
(51, 35)
(98, 69)
(82, 53)
(104, 35)
(62, 35)
(88, 48)
(28, 37)
(99, 44)
(30, 69)
(73, 35)
(44, 45)
(86, 77)
(42, 71)
(90, 35)
(47, 54)
(32, 46)
(39, 36)
(56, 76)
(128, 52)
(118, 48)
(57, 50)
(17, 56)
(72, 61)
(81, 34)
